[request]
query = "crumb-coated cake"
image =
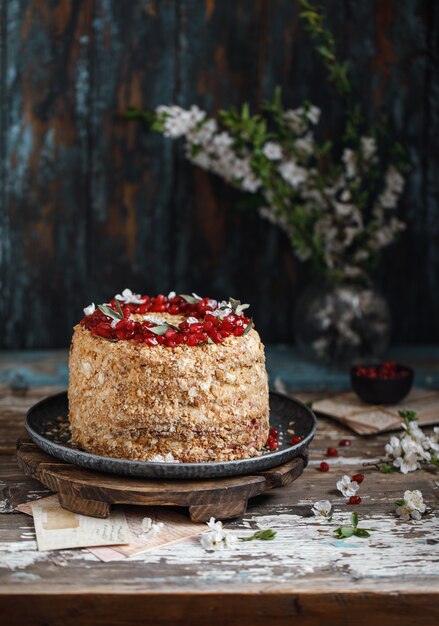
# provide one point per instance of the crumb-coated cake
(175, 378)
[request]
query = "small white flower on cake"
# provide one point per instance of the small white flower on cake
(129, 297)
(192, 320)
(411, 506)
(90, 309)
(347, 487)
(153, 319)
(321, 509)
(171, 295)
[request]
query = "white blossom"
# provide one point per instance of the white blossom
(305, 144)
(350, 161)
(313, 114)
(295, 119)
(321, 509)
(129, 297)
(192, 320)
(171, 295)
(177, 121)
(412, 506)
(347, 487)
(154, 319)
(90, 309)
(368, 147)
(149, 527)
(272, 151)
(218, 538)
(250, 183)
(410, 449)
(292, 173)
(203, 134)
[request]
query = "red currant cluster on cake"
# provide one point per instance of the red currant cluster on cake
(206, 320)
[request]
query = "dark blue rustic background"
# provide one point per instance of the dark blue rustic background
(91, 204)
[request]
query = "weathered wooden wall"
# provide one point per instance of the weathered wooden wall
(91, 204)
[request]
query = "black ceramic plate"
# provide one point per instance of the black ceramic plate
(47, 426)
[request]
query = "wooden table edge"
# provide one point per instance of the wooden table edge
(253, 607)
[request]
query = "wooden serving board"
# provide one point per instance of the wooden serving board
(92, 493)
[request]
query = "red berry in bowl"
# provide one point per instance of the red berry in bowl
(295, 439)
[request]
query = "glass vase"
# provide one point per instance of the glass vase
(341, 324)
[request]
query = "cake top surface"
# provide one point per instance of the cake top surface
(171, 320)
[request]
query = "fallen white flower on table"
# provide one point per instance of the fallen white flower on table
(347, 487)
(321, 510)
(218, 538)
(411, 506)
(150, 527)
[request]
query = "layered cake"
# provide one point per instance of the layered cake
(175, 378)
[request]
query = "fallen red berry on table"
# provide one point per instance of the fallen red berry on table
(345, 443)
(295, 439)
(331, 452)
(354, 500)
(358, 478)
(324, 467)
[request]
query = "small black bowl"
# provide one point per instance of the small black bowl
(382, 391)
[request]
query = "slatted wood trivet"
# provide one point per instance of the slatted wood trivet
(93, 493)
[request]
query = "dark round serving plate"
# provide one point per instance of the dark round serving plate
(47, 425)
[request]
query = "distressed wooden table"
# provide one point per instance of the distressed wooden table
(304, 576)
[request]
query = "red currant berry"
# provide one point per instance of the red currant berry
(345, 443)
(332, 452)
(354, 500)
(358, 478)
(324, 467)
(295, 439)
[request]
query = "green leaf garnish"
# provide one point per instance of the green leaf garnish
(189, 299)
(119, 308)
(109, 312)
(400, 502)
(354, 519)
(264, 535)
(159, 330)
(248, 327)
